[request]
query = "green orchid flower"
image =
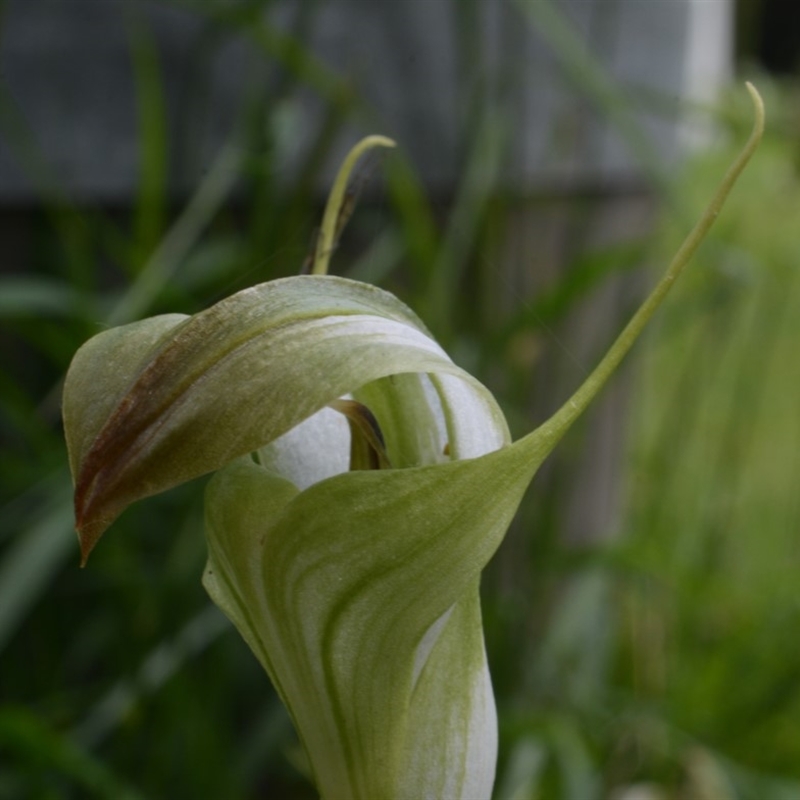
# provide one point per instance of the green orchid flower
(362, 482)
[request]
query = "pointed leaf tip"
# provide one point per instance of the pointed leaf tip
(88, 534)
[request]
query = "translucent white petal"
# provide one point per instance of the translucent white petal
(475, 423)
(317, 448)
(451, 745)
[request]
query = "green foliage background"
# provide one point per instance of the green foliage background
(665, 659)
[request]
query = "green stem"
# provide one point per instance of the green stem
(552, 430)
(330, 218)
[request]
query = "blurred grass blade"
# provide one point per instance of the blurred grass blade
(157, 668)
(29, 296)
(579, 777)
(41, 750)
(74, 224)
(30, 561)
(526, 763)
(590, 76)
(585, 273)
(150, 204)
(285, 49)
(416, 216)
(166, 259)
(380, 260)
(477, 186)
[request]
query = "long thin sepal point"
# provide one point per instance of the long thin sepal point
(336, 198)
(552, 430)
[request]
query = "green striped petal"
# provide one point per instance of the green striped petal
(359, 595)
(188, 395)
(360, 598)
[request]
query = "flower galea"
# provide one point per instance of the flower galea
(362, 482)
